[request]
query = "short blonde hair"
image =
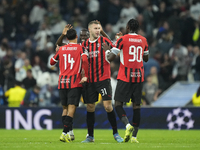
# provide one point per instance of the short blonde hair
(92, 22)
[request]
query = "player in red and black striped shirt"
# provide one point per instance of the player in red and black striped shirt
(99, 80)
(72, 60)
(133, 50)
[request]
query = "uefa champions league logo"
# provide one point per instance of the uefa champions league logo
(180, 119)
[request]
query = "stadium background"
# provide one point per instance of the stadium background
(29, 30)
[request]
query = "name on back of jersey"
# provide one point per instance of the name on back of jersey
(69, 48)
(135, 40)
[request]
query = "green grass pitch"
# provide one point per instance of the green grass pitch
(49, 140)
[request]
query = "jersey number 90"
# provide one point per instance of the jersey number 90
(136, 52)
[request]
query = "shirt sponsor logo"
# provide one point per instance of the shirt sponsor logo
(93, 54)
(69, 48)
(135, 74)
(65, 81)
(135, 40)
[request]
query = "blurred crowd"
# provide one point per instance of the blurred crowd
(30, 29)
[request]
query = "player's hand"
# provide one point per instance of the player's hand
(57, 48)
(82, 73)
(118, 35)
(106, 47)
(101, 29)
(83, 80)
(67, 27)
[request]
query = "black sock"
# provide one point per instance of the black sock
(90, 123)
(71, 127)
(112, 120)
(135, 131)
(136, 121)
(67, 124)
(63, 118)
(121, 114)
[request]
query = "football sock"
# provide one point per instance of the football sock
(136, 117)
(135, 131)
(90, 123)
(71, 128)
(136, 121)
(112, 120)
(67, 124)
(122, 114)
(63, 118)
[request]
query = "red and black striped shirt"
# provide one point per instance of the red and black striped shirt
(69, 57)
(99, 67)
(132, 47)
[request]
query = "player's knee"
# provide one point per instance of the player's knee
(90, 107)
(108, 108)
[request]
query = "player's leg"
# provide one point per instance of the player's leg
(136, 101)
(104, 87)
(121, 113)
(64, 115)
(64, 99)
(68, 122)
(123, 94)
(90, 119)
(112, 119)
(135, 122)
(73, 102)
(90, 97)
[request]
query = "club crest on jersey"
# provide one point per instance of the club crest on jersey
(65, 81)
(98, 45)
(135, 74)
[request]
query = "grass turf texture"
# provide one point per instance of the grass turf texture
(49, 139)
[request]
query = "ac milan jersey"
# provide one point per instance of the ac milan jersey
(99, 67)
(69, 57)
(132, 48)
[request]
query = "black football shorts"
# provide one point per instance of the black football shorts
(92, 90)
(70, 96)
(128, 90)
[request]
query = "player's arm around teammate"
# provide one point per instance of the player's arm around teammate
(70, 57)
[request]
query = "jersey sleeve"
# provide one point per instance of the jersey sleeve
(118, 46)
(107, 41)
(55, 58)
(84, 56)
(84, 51)
(146, 50)
(119, 43)
(83, 44)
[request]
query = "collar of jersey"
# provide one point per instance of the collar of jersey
(132, 33)
(72, 43)
(94, 40)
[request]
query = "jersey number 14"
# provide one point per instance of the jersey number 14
(70, 60)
